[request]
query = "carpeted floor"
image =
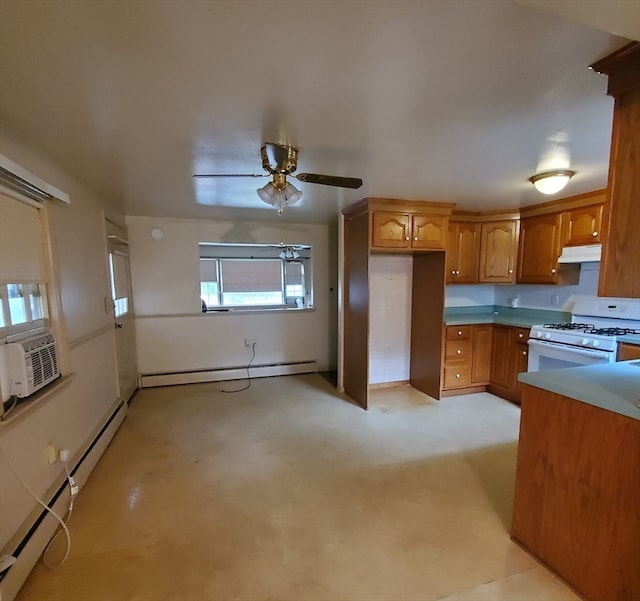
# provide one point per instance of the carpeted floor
(286, 491)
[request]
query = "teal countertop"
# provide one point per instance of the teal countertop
(630, 339)
(524, 318)
(612, 386)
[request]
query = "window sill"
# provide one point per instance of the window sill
(26, 406)
(228, 310)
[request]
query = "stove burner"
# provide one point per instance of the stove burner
(611, 331)
(569, 326)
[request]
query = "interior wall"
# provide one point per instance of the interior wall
(469, 295)
(68, 417)
(553, 298)
(172, 333)
(390, 285)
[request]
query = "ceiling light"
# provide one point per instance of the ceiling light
(279, 193)
(289, 254)
(550, 182)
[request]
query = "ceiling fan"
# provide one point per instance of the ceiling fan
(280, 161)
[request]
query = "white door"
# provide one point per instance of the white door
(121, 302)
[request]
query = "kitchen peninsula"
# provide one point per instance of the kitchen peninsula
(577, 499)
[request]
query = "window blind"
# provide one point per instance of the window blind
(208, 271)
(251, 276)
(20, 242)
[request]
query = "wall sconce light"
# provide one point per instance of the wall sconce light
(550, 182)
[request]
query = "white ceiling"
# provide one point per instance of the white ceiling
(442, 100)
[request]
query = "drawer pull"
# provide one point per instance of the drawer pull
(553, 271)
(457, 375)
(459, 352)
(459, 332)
(594, 234)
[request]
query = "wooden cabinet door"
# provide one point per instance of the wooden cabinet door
(500, 362)
(429, 232)
(481, 361)
(462, 253)
(498, 251)
(627, 352)
(584, 225)
(540, 241)
(390, 230)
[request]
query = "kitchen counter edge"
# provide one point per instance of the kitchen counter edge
(613, 386)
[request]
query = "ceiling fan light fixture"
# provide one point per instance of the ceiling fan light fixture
(279, 195)
(289, 254)
(550, 182)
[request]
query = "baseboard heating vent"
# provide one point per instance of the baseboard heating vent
(226, 373)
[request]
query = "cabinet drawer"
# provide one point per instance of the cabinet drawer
(457, 350)
(458, 332)
(456, 376)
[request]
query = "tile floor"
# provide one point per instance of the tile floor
(286, 491)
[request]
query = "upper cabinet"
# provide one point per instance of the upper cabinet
(584, 225)
(540, 245)
(463, 248)
(498, 251)
(405, 225)
(407, 231)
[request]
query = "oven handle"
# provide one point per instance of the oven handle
(585, 352)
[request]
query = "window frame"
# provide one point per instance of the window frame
(221, 252)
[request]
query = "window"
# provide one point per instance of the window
(244, 276)
(23, 299)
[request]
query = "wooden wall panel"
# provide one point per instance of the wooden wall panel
(356, 309)
(577, 497)
(427, 330)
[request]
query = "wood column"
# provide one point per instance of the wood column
(620, 263)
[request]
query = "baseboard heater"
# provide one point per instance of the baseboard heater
(220, 374)
(28, 549)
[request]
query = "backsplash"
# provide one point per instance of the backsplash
(555, 298)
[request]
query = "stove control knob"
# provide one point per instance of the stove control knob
(585, 341)
(596, 343)
(548, 335)
(539, 334)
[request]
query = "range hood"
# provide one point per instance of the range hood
(580, 254)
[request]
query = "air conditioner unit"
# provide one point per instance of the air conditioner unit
(31, 364)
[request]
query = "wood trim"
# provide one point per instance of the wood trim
(427, 323)
(628, 352)
(356, 309)
(480, 217)
(623, 69)
(466, 390)
(409, 207)
(394, 384)
(565, 204)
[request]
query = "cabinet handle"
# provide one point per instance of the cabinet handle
(520, 335)
(553, 271)
(511, 271)
(453, 272)
(459, 352)
(459, 332)
(457, 272)
(416, 238)
(524, 353)
(594, 234)
(457, 375)
(407, 238)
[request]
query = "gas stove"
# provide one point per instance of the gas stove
(595, 324)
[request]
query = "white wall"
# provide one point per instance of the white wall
(70, 416)
(471, 295)
(173, 334)
(553, 298)
(390, 285)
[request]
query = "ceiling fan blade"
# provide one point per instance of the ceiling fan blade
(204, 175)
(329, 180)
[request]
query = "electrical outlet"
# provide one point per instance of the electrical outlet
(555, 300)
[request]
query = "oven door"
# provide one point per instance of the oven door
(551, 355)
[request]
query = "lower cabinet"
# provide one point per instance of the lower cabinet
(627, 352)
(467, 353)
(509, 357)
